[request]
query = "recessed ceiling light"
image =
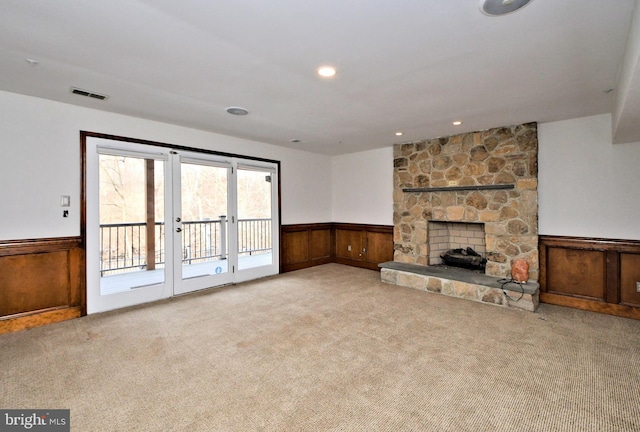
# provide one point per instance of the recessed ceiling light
(501, 7)
(399, 133)
(237, 111)
(327, 71)
(457, 123)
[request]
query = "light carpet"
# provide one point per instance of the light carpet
(329, 348)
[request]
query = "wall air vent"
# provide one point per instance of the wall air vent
(87, 93)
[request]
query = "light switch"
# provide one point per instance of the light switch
(65, 201)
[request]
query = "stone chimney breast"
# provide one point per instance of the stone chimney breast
(487, 177)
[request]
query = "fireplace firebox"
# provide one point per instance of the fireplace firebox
(443, 237)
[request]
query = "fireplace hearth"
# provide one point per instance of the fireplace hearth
(461, 283)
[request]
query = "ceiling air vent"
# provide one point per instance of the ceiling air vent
(86, 93)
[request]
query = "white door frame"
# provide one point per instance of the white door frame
(173, 282)
(182, 285)
(95, 301)
(274, 267)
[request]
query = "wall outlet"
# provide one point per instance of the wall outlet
(638, 286)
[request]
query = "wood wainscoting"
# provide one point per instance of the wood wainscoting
(306, 245)
(41, 282)
(359, 245)
(599, 275)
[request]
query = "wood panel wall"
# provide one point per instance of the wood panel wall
(359, 245)
(41, 281)
(305, 245)
(600, 275)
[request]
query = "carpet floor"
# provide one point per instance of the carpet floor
(329, 348)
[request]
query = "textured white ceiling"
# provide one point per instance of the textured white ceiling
(403, 65)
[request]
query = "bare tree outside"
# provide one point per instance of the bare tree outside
(122, 189)
(204, 192)
(204, 199)
(123, 211)
(254, 194)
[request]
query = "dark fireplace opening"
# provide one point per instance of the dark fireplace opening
(457, 244)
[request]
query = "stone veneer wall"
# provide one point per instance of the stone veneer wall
(506, 155)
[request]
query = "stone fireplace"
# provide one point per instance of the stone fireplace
(481, 180)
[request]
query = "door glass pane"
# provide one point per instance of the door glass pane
(254, 218)
(204, 237)
(132, 252)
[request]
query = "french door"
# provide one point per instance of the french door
(203, 222)
(164, 222)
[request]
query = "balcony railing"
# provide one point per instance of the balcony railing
(123, 246)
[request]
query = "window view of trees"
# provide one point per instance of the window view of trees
(204, 192)
(123, 213)
(126, 181)
(254, 194)
(123, 189)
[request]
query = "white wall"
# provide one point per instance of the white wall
(363, 187)
(588, 187)
(40, 161)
